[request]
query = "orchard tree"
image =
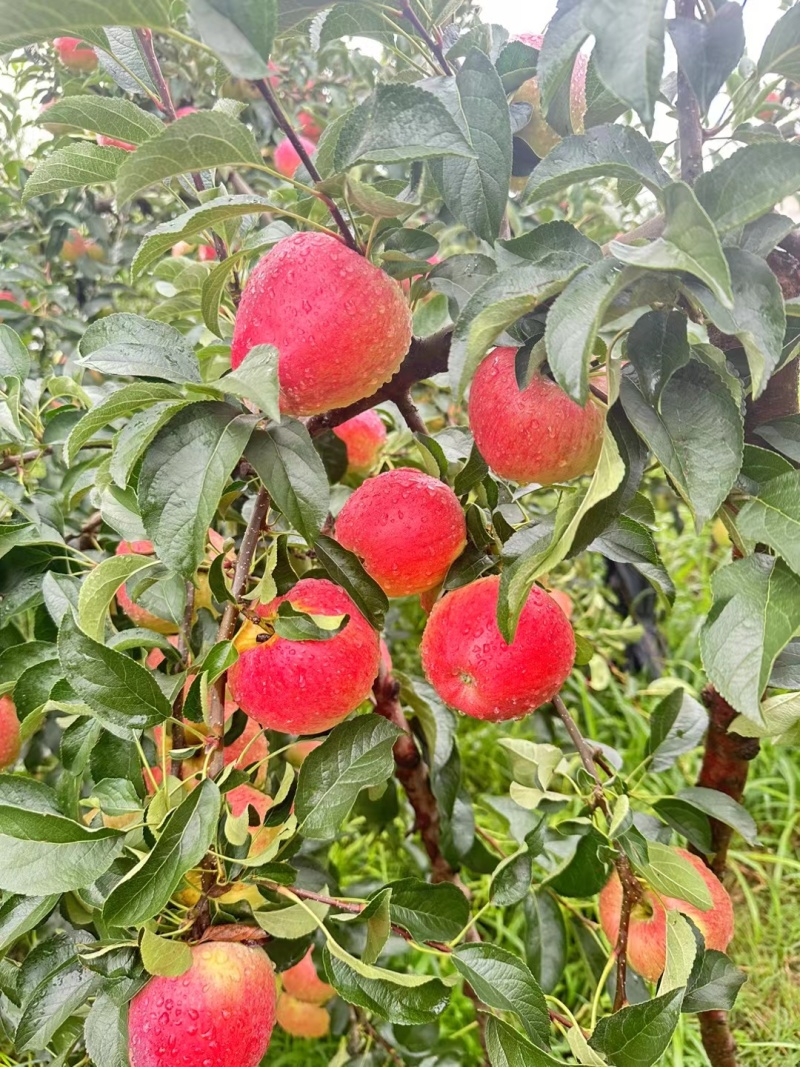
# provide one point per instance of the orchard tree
(300, 348)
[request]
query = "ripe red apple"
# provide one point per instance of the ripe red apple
(286, 157)
(537, 435)
(205, 253)
(769, 114)
(406, 527)
(309, 126)
(564, 601)
(9, 733)
(138, 615)
(220, 1012)
(300, 1019)
(74, 54)
(181, 112)
(306, 687)
(471, 667)
(539, 134)
(340, 324)
(303, 982)
(76, 245)
(114, 143)
(364, 436)
(647, 935)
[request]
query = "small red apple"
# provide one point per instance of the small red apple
(364, 436)
(536, 435)
(205, 253)
(303, 982)
(406, 527)
(769, 114)
(309, 126)
(287, 158)
(75, 55)
(474, 670)
(300, 1019)
(9, 733)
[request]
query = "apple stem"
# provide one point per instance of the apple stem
(281, 119)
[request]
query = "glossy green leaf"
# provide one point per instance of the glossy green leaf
(430, 912)
(80, 163)
(128, 344)
(291, 469)
(638, 1035)
(773, 517)
(164, 956)
(241, 32)
(118, 118)
(749, 183)
(346, 570)
(781, 51)
(41, 20)
(256, 379)
(98, 589)
(657, 346)
(501, 980)
(673, 876)
(106, 1033)
(714, 983)
(52, 1002)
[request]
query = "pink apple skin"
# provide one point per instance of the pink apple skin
(473, 669)
(340, 324)
(75, 55)
(300, 1019)
(538, 133)
(307, 687)
(647, 934)
(220, 1012)
(9, 733)
(364, 436)
(537, 435)
(135, 613)
(303, 982)
(406, 527)
(286, 157)
(103, 141)
(564, 601)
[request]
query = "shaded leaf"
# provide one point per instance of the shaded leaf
(503, 981)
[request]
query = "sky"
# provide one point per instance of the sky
(531, 16)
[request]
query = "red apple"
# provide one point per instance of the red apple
(364, 436)
(303, 982)
(114, 143)
(9, 733)
(75, 55)
(538, 134)
(286, 157)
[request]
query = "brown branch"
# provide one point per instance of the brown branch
(227, 627)
(8, 462)
(690, 131)
(426, 356)
(435, 46)
(410, 413)
(279, 115)
(717, 1038)
(364, 1024)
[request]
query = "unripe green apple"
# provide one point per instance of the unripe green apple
(647, 933)
(341, 326)
(535, 435)
(406, 527)
(220, 1012)
(305, 687)
(474, 670)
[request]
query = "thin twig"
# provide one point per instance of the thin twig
(435, 46)
(279, 115)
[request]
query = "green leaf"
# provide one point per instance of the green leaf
(117, 117)
(19, 914)
(196, 142)
(46, 853)
(120, 404)
(686, 821)
(106, 1033)
(135, 437)
(53, 1001)
(773, 517)
(14, 359)
(351, 19)
(125, 60)
(299, 626)
(681, 953)
(99, 587)
(356, 755)
(475, 190)
(399, 124)
(41, 20)
(508, 1048)
(499, 302)
(780, 714)
(709, 51)
(783, 435)
(669, 873)
(80, 163)
(714, 984)
(256, 379)
(545, 938)
(677, 725)
(430, 912)
(610, 151)
(346, 570)
(289, 923)
(573, 322)
(628, 541)
(638, 1035)
(408, 999)
(723, 808)
(629, 50)
(290, 467)
(749, 183)
(585, 872)
(205, 217)
(163, 956)
(145, 890)
(503, 981)
(517, 578)
(689, 243)
(697, 436)
(121, 693)
(183, 475)
(781, 51)
(240, 32)
(127, 344)
(657, 346)
(563, 38)
(756, 612)
(377, 917)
